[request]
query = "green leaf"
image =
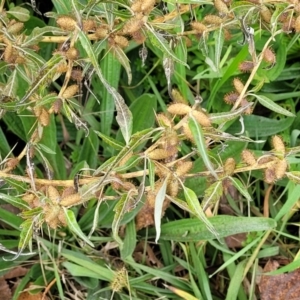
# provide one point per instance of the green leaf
(223, 117)
(110, 141)
(74, 227)
(89, 150)
(124, 116)
(120, 210)
(38, 33)
(123, 60)
(201, 146)
(241, 188)
(159, 201)
(157, 40)
(194, 205)
(268, 103)
(212, 194)
(257, 126)
(80, 259)
(17, 202)
(219, 41)
(143, 109)
(20, 13)
(235, 281)
(195, 230)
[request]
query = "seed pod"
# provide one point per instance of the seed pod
(138, 37)
(265, 14)
(70, 200)
(269, 176)
(8, 52)
(56, 106)
(29, 198)
(246, 66)
(88, 25)
(290, 24)
(280, 168)
(37, 110)
(121, 41)
(278, 145)
(127, 186)
(198, 26)
(229, 166)
(187, 132)
(183, 168)
(231, 98)
(201, 118)
(227, 34)
(173, 187)
(101, 32)
(249, 109)
(70, 91)
(62, 218)
(133, 25)
(164, 121)
(248, 157)
(44, 117)
(158, 154)
(179, 109)
(136, 6)
(269, 56)
(15, 28)
(221, 7)
(66, 23)
(212, 19)
(76, 74)
(297, 24)
(177, 97)
(72, 53)
(11, 163)
(238, 85)
(53, 194)
(62, 67)
(147, 6)
(20, 60)
(51, 212)
(68, 191)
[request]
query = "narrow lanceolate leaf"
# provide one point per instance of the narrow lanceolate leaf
(19, 13)
(194, 205)
(43, 77)
(119, 210)
(293, 176)
(201, 146)
(25, 237)
(17, 202)
(124, 61)
(219, 118)
(11, 86)
(159, 201)
(157, 40)
(194, 230)
(74, 227)
(268, 103)
(38, 33)
(212, 194)
(110, 141)
(219, 40)
(124, 116)
(241, 188)
(168, 64)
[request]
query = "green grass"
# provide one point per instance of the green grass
(153, 176)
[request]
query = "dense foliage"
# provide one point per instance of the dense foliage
(148, 144)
